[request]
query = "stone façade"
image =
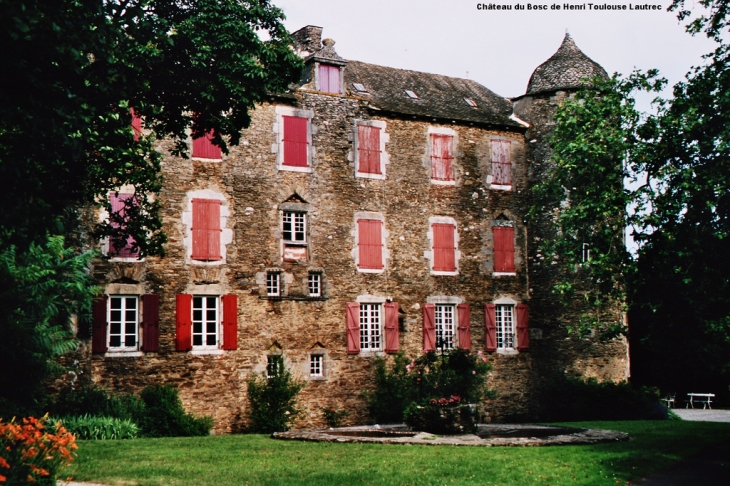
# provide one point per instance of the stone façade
(254, 191)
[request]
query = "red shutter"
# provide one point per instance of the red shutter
(370, 243)
(184, 322)
(368, 149)
(353, 328)
(442, 157)
(150, 322)
(204, 148)
(444, 247)
(429, 327)
(136, 124)
(329, 79)
(206, 229)
(490, 318)
(523, 332)
(99, 324)
(296, 145)
(504, 249)
(464, 326)
(230, 321)
(116, 249)
(392, 342)
(501, 163)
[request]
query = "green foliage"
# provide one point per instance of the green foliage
(333, 416)
(272, 401)
(87, 427)
(442, 416)
(566, 399)
(94, 401)
(164, 415)
(431, 376)
(40, 289)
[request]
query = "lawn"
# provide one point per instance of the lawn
(258, 460)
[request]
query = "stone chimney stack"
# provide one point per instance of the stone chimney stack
(309, 40)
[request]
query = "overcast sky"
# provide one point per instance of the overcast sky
(498, 49)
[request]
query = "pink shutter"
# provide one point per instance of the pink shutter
(329, 79)
(230, 321)
(118, 203)
(429, 327)
(392, 342)
(353, 328)
(523, 332)
(136, 124)
(444, 247)
(368, 149)
(442, 157)
(296, 145)
(464, 326)
(204, 148)
(370, 244)
(183, 322)
(214, 230)
(501, 163)
(504, 249)
(150, 322)
(206, 229)
(490, 319)
(99, 324)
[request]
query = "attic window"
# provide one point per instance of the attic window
(411, 94)
(359, 87)
(470, 102)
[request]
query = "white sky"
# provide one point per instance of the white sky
(499, 49)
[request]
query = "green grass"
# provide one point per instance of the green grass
(258, 460)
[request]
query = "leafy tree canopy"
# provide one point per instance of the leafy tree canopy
(76, 67)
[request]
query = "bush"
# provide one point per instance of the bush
(164, 415)
(272, 401)
(334, 417)
(566, 399)
(100, 428)
(393, 392)
(96, 402)
(33, 453)
(443, 416)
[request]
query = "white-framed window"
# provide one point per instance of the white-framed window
(274, 365)
(371, 327)
(316, 365)
(273, 284)
(445, 323)
(123, 322)
(504, 315)
(206, 321)
(294, 227)
(314, 284)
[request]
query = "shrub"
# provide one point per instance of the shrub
(442, 416)
(97, 402)
(272, 400)
(164, 415)
(334, 417)
(100, 428)
(393, 391)
(31, 453)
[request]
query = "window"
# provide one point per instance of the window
(296, 141)
(504, 249)
(370, 327)
(368, 150)
(442, 157)
(273, 284)
(274, 365)
(206, 229)
(370, 244)
(470, 102)
(329, 78)
(294, 226)
(123, 322)
(204, 148)
(504, 320)
(205, 321)
(136, 125)
(444, 247)
(411, 94)
(315, 365)
(314, 284)
(359, 87)
(121, 248)
(501, 163)
(444, 321)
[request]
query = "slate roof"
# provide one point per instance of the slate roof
(564, 70)
(438, 96)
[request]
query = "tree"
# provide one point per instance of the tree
(79, 66)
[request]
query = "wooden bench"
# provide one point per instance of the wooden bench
(704, 398)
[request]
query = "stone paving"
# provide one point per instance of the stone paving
(699, 415)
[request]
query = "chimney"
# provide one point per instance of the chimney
(308, 39)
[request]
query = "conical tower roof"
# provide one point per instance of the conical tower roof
(564, 70)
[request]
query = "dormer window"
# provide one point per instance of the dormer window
(328, 78)
(359, 87)
(470, 102)
(411, 94)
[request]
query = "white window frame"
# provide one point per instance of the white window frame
(278, 147)
(430, 254)
(446, 326)
(274, 360)
(384, 156)
(273, 284)
(293, 216)
(314, 284)
(504, 320)
(204, 332)
(122, 321)
(447, 132)
(316, 366)
(370, 318)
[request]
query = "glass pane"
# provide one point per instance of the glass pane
(115, 315)
(115, 341)
(129, 341)
(211, 340)
(129, 327)
(116, 303)
(210, 327)
(131, 302)
(197, 302)
(197, 315)
(197, 327)
(130, 315)
(210, 315)
(115, 328)
(197, 340)
(210, 302)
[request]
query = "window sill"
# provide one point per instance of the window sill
(206, 352)
(202, 159)
(368, 175)
(452, 273)
(125, 259)
(437, 182)
(508, 351)
(317, 378)
(504, 274)
(292, 168)
(371, 353)
(501, 187)
(292, 297)
(123, 354)
(371, 270)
